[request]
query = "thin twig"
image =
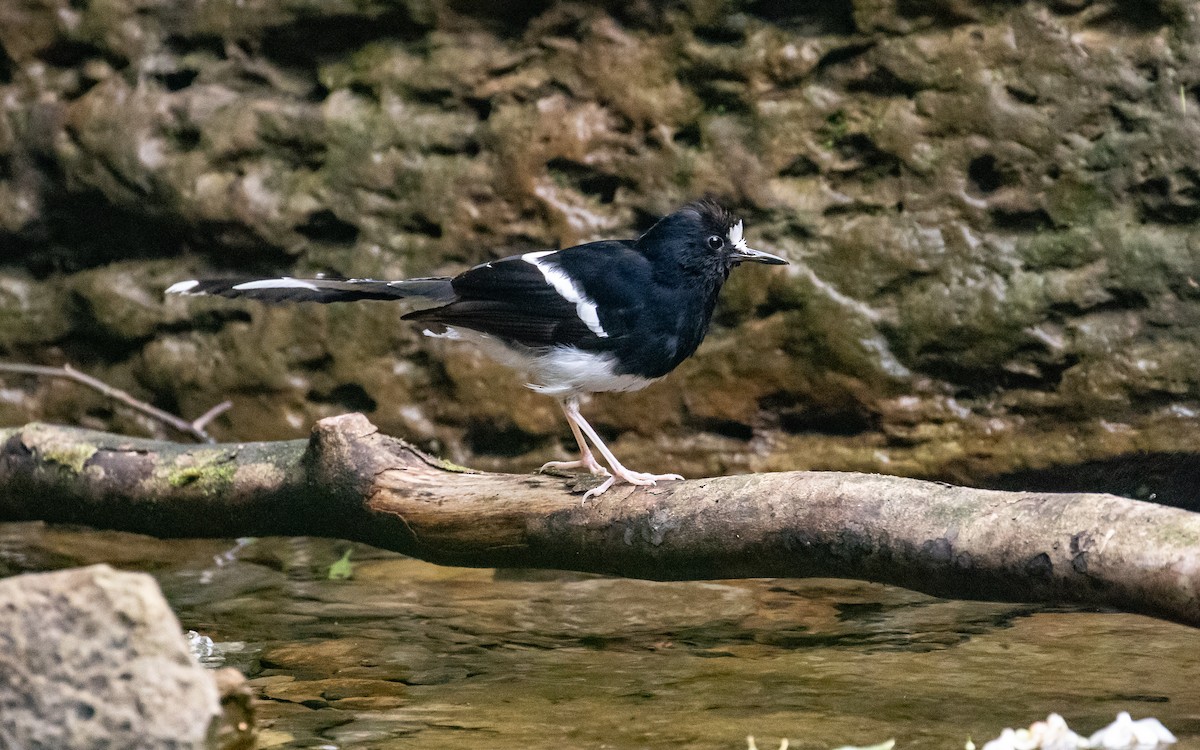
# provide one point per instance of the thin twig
(194, 429)
(202, 421)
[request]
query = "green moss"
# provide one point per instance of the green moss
(211, 471)
(445, 465)
(1073, 200)
(1069, 249)
(834, 130)
(343, 569)
(71, 455)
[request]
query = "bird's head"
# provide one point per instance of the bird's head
(703, 238)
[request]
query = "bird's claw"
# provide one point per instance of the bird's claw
(598, 490)
(594, 467)
(642, 478)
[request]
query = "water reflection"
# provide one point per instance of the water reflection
(406, 654)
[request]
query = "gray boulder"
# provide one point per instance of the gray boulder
(94, 658)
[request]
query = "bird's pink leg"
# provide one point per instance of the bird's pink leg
(586, 459)
(619, 472)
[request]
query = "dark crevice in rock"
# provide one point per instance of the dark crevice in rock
(364, 90)
(305, 151)
(187, 138)
(950, 14)
(1124, 299)
(325, 226)
(985, 175)
(1119, 299)
(1149, 71)
(255, 79)
(807, 18)
(480, 106)
(90, 346)
(870, 161)
(882, 81)
(945, 361)
(1031, 370)
(1129, 120)
(507, 19)
(491, 439)
(321, 360)
(184, 45)
(179, 79)
(67, 53)
(689, 135)
(1031, 220)
(867, 160)
(468, 147)
(1021, 94)
(839, 55)
(309, 39)
(720, 34)
(801, 166)
(585, 178)
(239, 243)
(7, 66)
(1131, 15)
(422, 224)
(434, 97)
(822, 420)
(857, 208)
(721, 91)
(1171, 200)
(352, 396)
(207, 321)
(317, 94)
(796, 416)
(725, 428)
(84, 230)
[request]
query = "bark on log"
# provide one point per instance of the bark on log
(352, 482)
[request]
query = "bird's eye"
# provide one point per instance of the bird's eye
(715, 242)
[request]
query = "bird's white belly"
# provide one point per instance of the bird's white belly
(560, 371)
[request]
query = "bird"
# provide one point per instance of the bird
(604, 316)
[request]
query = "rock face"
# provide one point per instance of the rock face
(94, 658)
(990, 208)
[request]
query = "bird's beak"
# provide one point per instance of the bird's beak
(745, 254)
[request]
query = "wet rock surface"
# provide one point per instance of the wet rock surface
(94, 658)
(989, 209)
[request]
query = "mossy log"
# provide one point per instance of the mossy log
(352, 482)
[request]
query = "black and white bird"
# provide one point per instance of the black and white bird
(613, 315)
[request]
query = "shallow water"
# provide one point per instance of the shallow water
(410, 655)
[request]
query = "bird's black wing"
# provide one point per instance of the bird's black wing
(527, 299)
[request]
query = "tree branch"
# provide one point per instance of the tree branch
(194, 429)
(349, 481)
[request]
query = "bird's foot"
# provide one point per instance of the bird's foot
(620, 473)
(590, 464)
